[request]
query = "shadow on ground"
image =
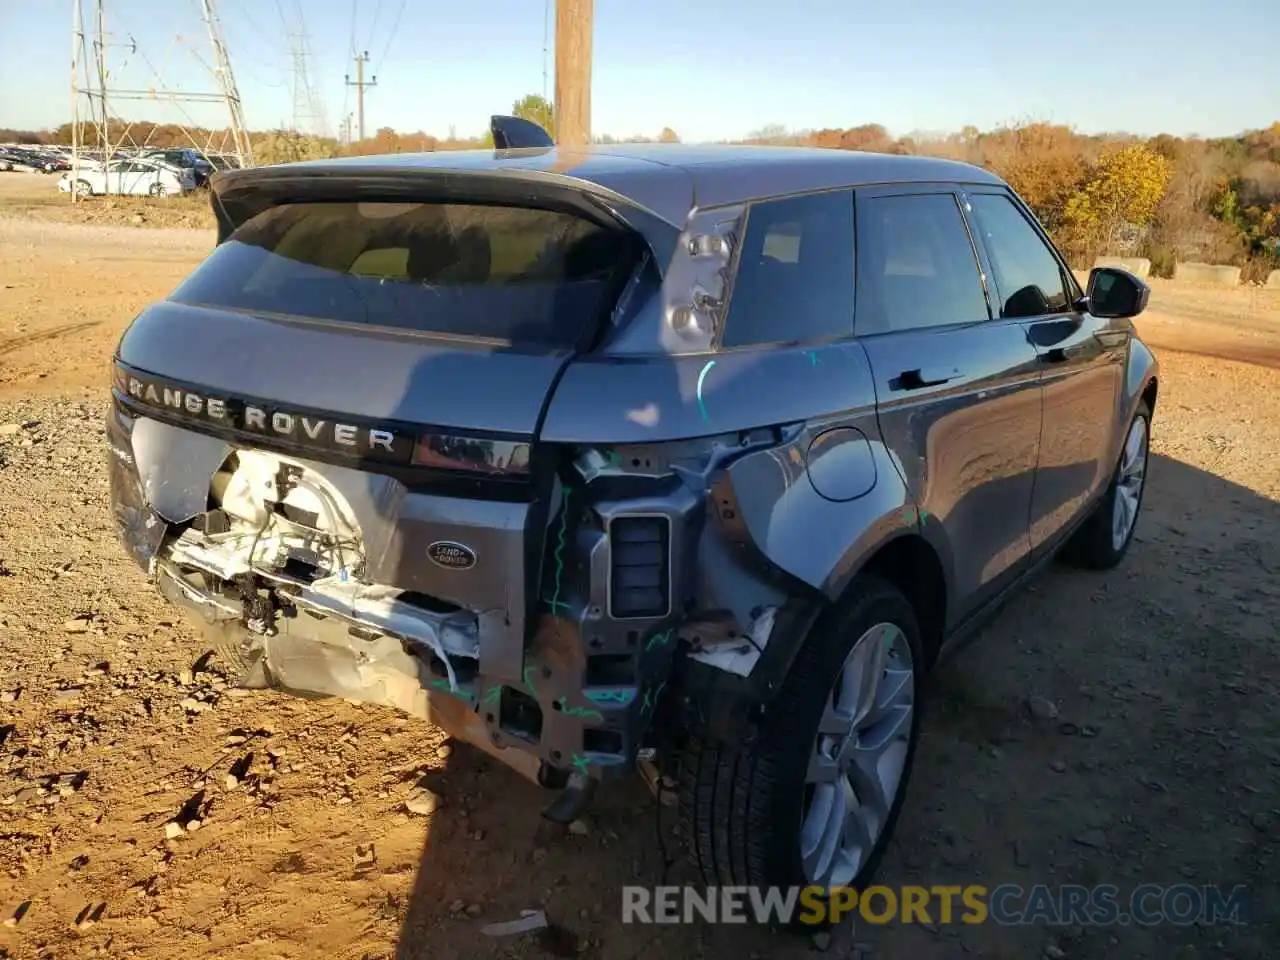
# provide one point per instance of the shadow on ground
(1161, 766)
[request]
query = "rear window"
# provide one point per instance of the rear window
(520, 275)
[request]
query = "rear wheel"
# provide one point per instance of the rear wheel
(81, 188)
(814, 799)
(1103, 539)
(157, 190)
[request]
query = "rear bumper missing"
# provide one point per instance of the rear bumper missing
(358, 641)
(319, 652)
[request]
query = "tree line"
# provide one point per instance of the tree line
(1167, 198)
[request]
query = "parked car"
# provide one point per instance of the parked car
(30, 160)
(697, 458)
(132, 177)
(183, 157)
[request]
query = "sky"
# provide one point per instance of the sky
(709, 69)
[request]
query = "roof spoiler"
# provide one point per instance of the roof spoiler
(516, 133)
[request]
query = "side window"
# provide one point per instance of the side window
(916, 264)
(795, 272)
(1026, 271)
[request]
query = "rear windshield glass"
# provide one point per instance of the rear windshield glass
(521, 275)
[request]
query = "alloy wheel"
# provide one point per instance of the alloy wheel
(859, 757)
(1133, 471)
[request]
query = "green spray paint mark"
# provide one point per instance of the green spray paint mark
(569, 711)
(658, 640)
(554, 602)
(814, 359)
(622, 696)
(613, 458)
(444, 685)
(651, 696)
(702, 376)
(494, 696)
(581, 763)
(528, 681)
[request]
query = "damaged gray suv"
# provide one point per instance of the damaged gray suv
(688, 459)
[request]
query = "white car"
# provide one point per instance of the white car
(133, 177)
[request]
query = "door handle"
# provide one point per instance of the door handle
(924, 377)
(1056, 355)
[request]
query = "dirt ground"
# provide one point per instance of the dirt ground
(1161, 764)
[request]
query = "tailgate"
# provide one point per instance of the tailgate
(405, 351)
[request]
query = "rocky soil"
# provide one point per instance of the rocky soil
(1107, 728)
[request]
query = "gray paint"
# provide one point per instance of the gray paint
(781, 470)
(667, 179)
(175, 467)
(327, 367)
(611, 400)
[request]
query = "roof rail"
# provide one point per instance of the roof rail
(516, 133)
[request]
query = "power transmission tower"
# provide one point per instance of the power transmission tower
(227, 83)
(92, 100)
(309, 114)
(308, 109)
(573, 72)
(360, 83)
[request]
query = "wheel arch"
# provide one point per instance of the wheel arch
(1141, 380)
(912, 564)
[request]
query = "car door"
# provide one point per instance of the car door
(1081, 360)
(115, 176)
(138, 178)
(957, 391)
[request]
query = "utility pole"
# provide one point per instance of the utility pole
(573, 72)
(360, 83)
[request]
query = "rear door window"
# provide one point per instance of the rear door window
(518, 275)
(795, 274)
(916, 264)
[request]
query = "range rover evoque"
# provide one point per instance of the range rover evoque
(692, 459)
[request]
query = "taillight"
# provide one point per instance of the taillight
(448, 452)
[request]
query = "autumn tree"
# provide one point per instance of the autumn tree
(536, 109)
(668, 136)
(1043, 162)
(1124, 187)
(288, 146)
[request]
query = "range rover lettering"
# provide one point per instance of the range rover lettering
(692, 460)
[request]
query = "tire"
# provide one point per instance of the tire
(1097, 545)
(157, 190)
(82, 188)
(743, 806)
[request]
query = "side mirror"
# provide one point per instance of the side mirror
(1116, 293)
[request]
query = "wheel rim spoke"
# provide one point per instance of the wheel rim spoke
(1131, 475)
(823, 830)
(860, 679)
(822, 769)
(872, 764)
(855, 768)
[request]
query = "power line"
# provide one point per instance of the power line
(395, 25)
(373, 25)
